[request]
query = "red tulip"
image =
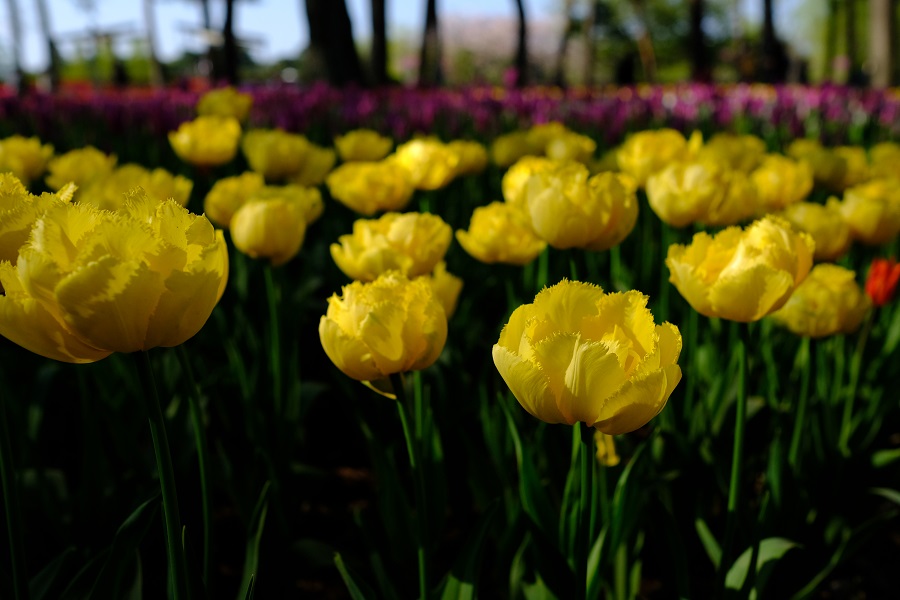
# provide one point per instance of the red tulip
(882, 281)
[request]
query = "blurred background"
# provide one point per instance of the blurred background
(48, 43)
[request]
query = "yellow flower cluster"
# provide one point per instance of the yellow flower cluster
(828, 302)
(108, 191)
(26, 158)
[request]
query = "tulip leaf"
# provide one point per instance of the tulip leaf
(462, 578)
(770, 551)
(892, 495)
(709, 542)
(251, 555)
(357, 590)
(893, 334)
(45, 584)
(120, 560)
(884, 458)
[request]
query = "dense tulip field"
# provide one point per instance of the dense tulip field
(445, 344)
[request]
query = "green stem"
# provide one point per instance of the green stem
(274, 338)
(542, 269)
(737, 461)
(199, 424)
(583, 544)
(175, 550)
(11, 504)
(615, 269)
(692, 346)
(803, 400)
(855, 365)
(418, 476)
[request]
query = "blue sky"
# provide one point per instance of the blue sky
(278, 26)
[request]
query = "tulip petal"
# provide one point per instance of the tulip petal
(183, 308)
(349, 354)
(751, 294)
(638, 401)
(528, 384)
(562, 307)
(382, 331)
(582, 374)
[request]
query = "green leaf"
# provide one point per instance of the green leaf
(358, 591)
(120, 560)
(46, 584)
(464, 574)
(770, 550)
(892, 495)
(251, 555)
(709, 542)
(884, 458)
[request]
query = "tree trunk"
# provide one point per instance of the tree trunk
(560, 77)
(379, 43)
(156, 78)
(15, 26)
(54, 67)
(700, 67)
(229, 45)
(590, 46)
(430, 72)
(645, 43)
(881, 47)
(850, 35)
(831, 35)
(521, 62)
(331, 43)
(774, 55)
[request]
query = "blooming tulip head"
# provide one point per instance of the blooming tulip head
(472, 157)
(317, 163)
(578, 354)
(206, 141)
(229, 194)
(362, 145)
(569, 209)
(272, 222)
(89, 282)
(646, 152)
(515, 180)
(741, 275)
(446, 287)
(18, 212)
(885, 159)
(872, 210)
(110, 192)
(391, 325)
(683, 193)
(225, 102)
(24, 157)
(824, 223)
(500, 233)
(411, 243)
(509, 147)
(571, 146)
(369, 187)
(81, 167)
(781, 181)
(739, 152)
(884, 274)
(828, 302)
(274, 153)
(431, 163)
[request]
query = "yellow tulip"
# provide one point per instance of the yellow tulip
(516, 178)
(24, 157)
(647, 152)
(738, 203)
(431, 163)
(857, 166)
(369, 187)
(315, 168)
(272, 222)
(539, 136)
(80, 167)
(18, 212)
(781, 181)
(824, 223)
(500, 233)
(571, 146)
(446, 287)
(872, 210)
(411, 243)
(91, 282)
(569, 209)
(109, 192)
(225, 102)
(363, 145)
(510, 147)
(606, 449)
(741, 275)
(391, 325)
(206, 141)
(579, 355)
(739, 152)
(274, 153)
(885, 160)
(828, 302)
(229, 194)
(683, 193)
(472, 157)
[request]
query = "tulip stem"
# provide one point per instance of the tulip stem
(855, 365)
(412, 448)
(737, 460)
(583, 543)
(11, 506)
(175, 550)
(199, 426)
(802, 402)
(274, 338)
(542, 269)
